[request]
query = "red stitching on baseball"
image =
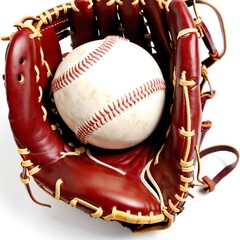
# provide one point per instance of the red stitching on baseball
(78, 69)
(114, 109)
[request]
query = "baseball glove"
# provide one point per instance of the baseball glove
(143, 187)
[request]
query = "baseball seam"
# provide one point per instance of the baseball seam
(112, 110)
(81, 67)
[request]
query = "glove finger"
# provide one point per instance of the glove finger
(83, 24)
(26, 79)
(133, 23)
(107, 18)
(184, 131)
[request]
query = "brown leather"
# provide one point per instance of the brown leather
(214, 53)
(42, 144)
(211, 183)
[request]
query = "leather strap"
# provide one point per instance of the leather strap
(214, 54)
(209, 184)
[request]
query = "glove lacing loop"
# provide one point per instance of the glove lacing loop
(110, 2)
(28, 168)
(98, 210)
(164, 4)
(198, 19)
(21, 24)
(77, 152)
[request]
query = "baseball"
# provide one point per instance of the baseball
(110, 93)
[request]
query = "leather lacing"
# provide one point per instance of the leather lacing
(45, 18)
(164, 4)
(29, 169)
(207, 183)
(187, 166)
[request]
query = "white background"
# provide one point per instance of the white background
(207, 216)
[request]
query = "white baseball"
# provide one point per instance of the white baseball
(110, 92)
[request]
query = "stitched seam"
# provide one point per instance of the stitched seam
(118, 106)
(81, 67)
(55, 25)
